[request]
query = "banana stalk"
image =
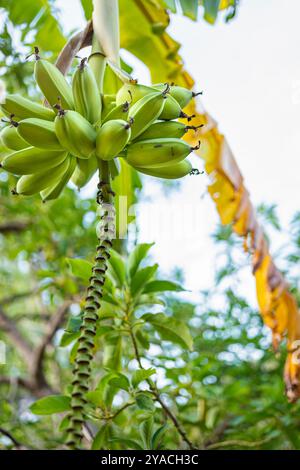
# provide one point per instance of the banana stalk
(84, 355)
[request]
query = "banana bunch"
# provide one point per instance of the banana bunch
(66, 139)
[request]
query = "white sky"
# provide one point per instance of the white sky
(249, 71)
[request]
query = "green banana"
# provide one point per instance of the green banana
(111, 138)
(182, 95)
(145, 111)
(133, 93)
(87, 99)
(11, 139)
(75, 133)
(52, 83)
(163, 129)
(34, 183)
(39, 133)
(84, 171)
(54, 191)
(172, 110)
(178, 170)
(32, 160)
(157, 153)
(108, 103)
(22, 108)
(118, 112)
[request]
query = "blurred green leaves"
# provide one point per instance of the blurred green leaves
(51, 404)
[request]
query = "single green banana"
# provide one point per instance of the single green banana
(182, 95)
(166, 129)
(145, 111)
(32, 160)
(52, 83)
(172, 110)
(11, 139)
(178, 170)
(84, 171)
(87, 99)
(111, 138)
(75, 133)
(39, 133)
(32, 184)
(156, 153)
(22, 108)
(118, 112)
(108, 104)
(53, 192)
(133, 93)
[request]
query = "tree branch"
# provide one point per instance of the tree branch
(11, 437)
(15, 297)
(54, 324)
(238, 443)
(157, 396)
(9, 327)
(13, 227)
(218, 433)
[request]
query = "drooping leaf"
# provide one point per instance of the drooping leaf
(144, 402)
(140, 375)
(87, 6)
(170, 329)
(72, 330)
(99, 438)
(211, 8)
(80, 268)
(141, 277)
(120, 381)
(157, 437)
(146, 430)
(118, 268)
(112, 355)
(171, 4)
(136, 257)
(64, 423)
(51, 404)
(129, 443)
(190, 8)
(162, 286)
